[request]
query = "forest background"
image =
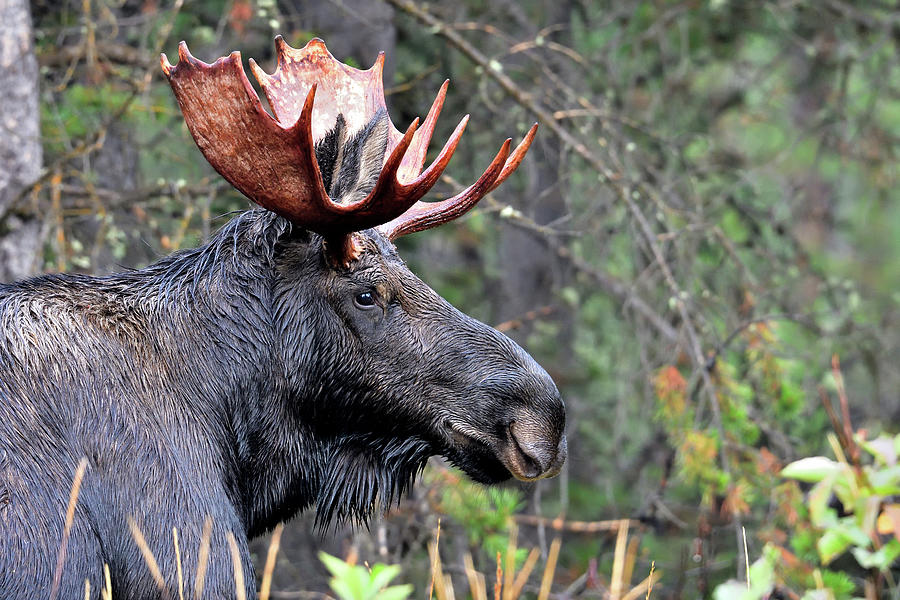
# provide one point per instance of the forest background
(700, 247)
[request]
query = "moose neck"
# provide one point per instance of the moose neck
(270, 467)
(245, 303)
(206, 339)
(220, 345)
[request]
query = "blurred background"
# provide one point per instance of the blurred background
(708, 217)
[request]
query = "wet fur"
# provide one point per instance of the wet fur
(169, 380)
(238, 382)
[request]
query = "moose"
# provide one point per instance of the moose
(291, 362)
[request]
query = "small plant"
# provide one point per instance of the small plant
(852, 508)
(760, 579)
(865, 494)
(864, 480)
(484, 513)
(356, 582)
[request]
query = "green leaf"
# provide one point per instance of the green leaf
(382, 575)
(847, 491)
(831, 545)
(885, 482)
(735, 590)
(882, 448)
(342, 589)
(335, 565)
(762, 579)
(395, 592)
(820, 513)
(881, 559)
(762, 571)
(357, 580)
(818, 595)
(853, 532)
(812, 469)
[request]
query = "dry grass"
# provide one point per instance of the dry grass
(67, 529)
(239, 588)
(509, 584)
(149, 559)
(180, 571)
(274, 545)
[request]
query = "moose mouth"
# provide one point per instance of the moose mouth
(521, 453)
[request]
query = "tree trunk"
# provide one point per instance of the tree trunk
(20, 143)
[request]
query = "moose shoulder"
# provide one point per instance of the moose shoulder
(293, 361)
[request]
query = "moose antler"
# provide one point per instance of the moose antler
(273, 161)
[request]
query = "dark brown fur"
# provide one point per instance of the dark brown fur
(241, 381)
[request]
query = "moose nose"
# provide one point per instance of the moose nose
(535, 451)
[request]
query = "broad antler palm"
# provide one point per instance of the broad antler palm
(273, 161)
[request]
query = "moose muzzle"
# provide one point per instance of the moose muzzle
(535, 448)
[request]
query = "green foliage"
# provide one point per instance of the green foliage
(768, 570)
(755, 389)
(866, 494)
(356, 582)
(485, 514)
(838, 583)
(79, 112)
(761, 580)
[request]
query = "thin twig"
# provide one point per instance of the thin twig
(577, 526)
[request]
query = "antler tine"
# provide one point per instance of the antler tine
(383, 198)
(414, 190)
(516, 157)
(415, 156)
(425, 215)
(165, 64)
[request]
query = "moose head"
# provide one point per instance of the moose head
(374, 357)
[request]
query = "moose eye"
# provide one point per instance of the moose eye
(365, 300)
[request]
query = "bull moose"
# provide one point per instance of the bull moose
(293, 361)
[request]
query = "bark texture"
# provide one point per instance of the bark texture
(20, 143)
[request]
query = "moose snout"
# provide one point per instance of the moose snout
(534, 450)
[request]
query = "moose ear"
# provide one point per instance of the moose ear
(358, 161)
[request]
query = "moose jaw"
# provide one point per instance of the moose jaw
(292, 361)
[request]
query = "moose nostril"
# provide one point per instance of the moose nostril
(534, 447)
